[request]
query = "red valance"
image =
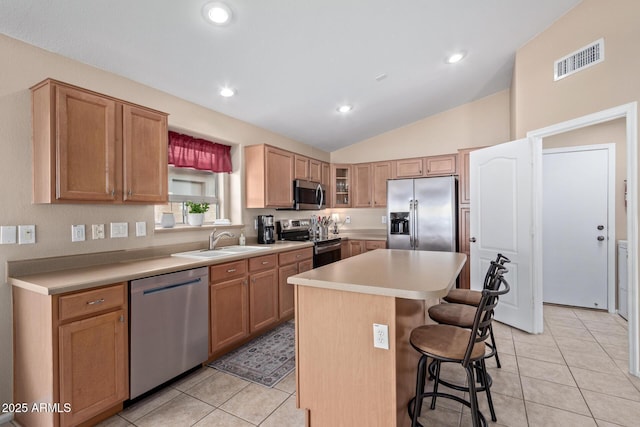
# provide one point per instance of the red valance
(188, 152)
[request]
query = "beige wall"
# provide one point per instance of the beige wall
(24, 66)
(479, 123)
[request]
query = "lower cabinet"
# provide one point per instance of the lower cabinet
(85, 335)
(229, 305)
(291, 263)
(357, 247)
(263, 299)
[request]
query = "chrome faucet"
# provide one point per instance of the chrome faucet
(213, 239)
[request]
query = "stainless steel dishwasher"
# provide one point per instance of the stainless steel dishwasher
(169, 327)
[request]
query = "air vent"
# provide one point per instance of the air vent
(579, 60)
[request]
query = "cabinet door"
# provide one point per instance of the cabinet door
(228, 302)
(371, 245)
(409, 168)
(463, 174)
(278, 178)
(326, 174)
(345, 250)
(381, 173)
(362, 183)
(356, 247)
(464, 246)
(85, 146)
(93, 365)
(305, 265)
(341, 183)
(301, 167)
(263, 299)
(285, 294)
(441, 165)
(315, 170)
(144, 145)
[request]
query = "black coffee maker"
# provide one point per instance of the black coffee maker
(266, 229)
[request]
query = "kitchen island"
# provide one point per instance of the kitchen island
(342, 379)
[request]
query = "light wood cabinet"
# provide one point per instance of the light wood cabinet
(89, 147)
(362, 185)
(356, 247)
(291, 263)
(345, 250)
(76, 347)
(263, 292)
(301, 167)
(370, 245)
(228, 305)
(464, 246)
(269, 177)
(441, 165)
(463, 176)
(381, 173)
(408, 168)
(341, 185)
(315, 170)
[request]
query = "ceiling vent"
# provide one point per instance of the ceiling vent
(579, 60)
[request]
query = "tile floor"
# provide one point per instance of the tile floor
(574, 374)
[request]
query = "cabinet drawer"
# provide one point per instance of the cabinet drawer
(230, 270)
(375, 244)
(262, 262)
(83, 303)
(294, 256)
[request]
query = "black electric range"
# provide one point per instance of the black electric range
(325, 250)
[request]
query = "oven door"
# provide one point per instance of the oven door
(309, 195)
(324, 254)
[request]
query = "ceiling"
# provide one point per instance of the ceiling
(292, 62)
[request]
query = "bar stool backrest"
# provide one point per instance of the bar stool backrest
(484, 313)
(500, 261)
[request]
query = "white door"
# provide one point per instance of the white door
(575, 234)
(501, 180)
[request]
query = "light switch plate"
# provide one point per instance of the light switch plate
(119, 229)
(7, 234)
(347, 219)
(26, 234)
(141, 229)
(77, 233)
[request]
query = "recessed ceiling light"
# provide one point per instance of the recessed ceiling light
(217, 13)
(345, 108)
(227, 92)
(456, 57)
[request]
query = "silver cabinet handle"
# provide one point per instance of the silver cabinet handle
(265, 262)
(298, 256)
(98, 301)
(231, 270)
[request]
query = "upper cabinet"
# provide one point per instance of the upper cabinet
(269, 177)
(341, 182)
(315, 170)
(381, 173)
(408, 168)
(301, 167)
(370, 184)
(441, 165)
(89, 147)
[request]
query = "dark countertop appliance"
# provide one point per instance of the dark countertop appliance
(325, 251)
(266, 230)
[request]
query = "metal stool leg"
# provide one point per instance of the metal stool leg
(420, 380)
(495, 347)
(488, 390)
(435, 385)
(473, 398)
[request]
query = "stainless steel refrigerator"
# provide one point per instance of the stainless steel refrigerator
(422, 214)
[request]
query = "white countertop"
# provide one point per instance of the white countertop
(57, 282)
(389, 272)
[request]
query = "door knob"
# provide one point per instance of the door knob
(601, 227)
(600, 238)
(472, 240)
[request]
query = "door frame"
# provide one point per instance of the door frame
(630, 113)
(611, 209)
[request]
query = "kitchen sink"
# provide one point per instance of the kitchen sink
(240, 249)
(221, 252)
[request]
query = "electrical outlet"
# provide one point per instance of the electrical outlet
(347, 219)
(26, 234)
(384, 219)
(97, 231)
(381, 336)
(77, 233)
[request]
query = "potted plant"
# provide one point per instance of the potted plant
(196, 212)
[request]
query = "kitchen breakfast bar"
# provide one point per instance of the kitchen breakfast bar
(342, 379)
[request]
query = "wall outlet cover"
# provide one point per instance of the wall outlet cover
(381, 336)
(26, 234)
(7, 234)
(141, 229)
(77, 233)
(347, 219)
(97, 231)
(119, 229)
(384, 219)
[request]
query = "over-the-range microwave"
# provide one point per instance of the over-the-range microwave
(308, 195)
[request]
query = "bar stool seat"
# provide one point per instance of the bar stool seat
(464, 296)
(447, 342)
(453, 314)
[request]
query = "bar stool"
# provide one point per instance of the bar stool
(461, 304)
(446, 343)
